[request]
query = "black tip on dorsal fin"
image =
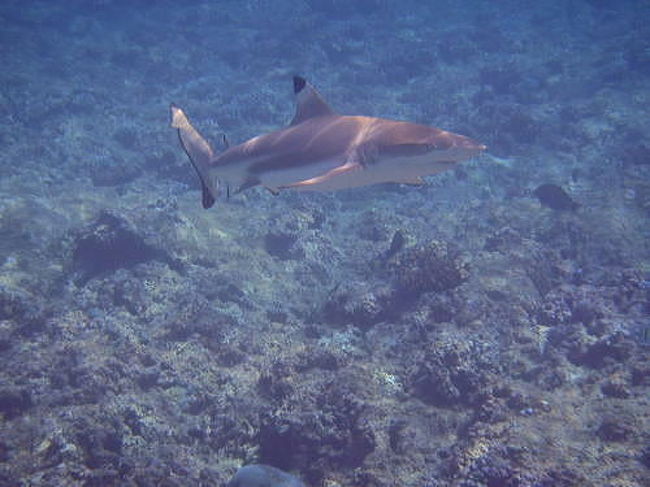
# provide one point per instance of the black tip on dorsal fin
(310, 103)
(298, 84)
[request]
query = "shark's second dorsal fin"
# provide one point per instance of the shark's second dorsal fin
(310, 103)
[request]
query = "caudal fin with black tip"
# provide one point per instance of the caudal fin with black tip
(199, 151)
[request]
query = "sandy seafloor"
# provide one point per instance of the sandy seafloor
(145, 341)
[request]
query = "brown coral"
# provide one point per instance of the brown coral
(434, 266)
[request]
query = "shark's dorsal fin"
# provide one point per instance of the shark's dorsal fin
(309, 102)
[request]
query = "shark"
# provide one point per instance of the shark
(322, 150)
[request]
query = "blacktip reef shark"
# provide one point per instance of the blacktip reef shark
(323, 151)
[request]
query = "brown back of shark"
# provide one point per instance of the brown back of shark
(323, 151)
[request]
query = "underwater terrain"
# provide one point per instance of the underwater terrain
(489, 328)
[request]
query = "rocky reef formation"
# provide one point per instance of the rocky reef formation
(469, 332)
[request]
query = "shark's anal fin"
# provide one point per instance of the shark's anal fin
(332, 173)
(248, 183)
(309, 102)
(225, 142)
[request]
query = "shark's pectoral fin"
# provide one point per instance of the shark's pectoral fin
(346, 168)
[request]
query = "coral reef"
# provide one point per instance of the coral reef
(434, 266)
(459, 333)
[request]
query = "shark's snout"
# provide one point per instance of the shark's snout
(466, 147)
(469, 144)
(455, 146)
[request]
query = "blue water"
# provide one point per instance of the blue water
(379, 336)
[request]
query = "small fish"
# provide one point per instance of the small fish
(554, 197)
(396, 244)
(323, 151)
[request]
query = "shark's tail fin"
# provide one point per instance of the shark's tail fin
(199, 151)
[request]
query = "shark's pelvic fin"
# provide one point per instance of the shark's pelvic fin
(249, 183)
(198, 150)
(309, 102)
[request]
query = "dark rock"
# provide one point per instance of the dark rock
(4, 452)
(585, 312)
(18, 306)
(451, 376)
(614, 348)
(133, 420)
(496, 469)
(359, 304)
(197, 405)
(615, 389)
(319, 358)
(108, 244)
(7, 481)
(637, 155)
(274, 388)
(444, 307)
(395, 432)
(283, 246)
(518, 401)
(615, 429)
(232, 293)
(333, 431)
(14, 304)
(641, 375)
(644, 457)
(226, 430)
(277, 312)
(14, 402)
(148, 380)
(432, 267)
(147, 360)
(101, 446)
